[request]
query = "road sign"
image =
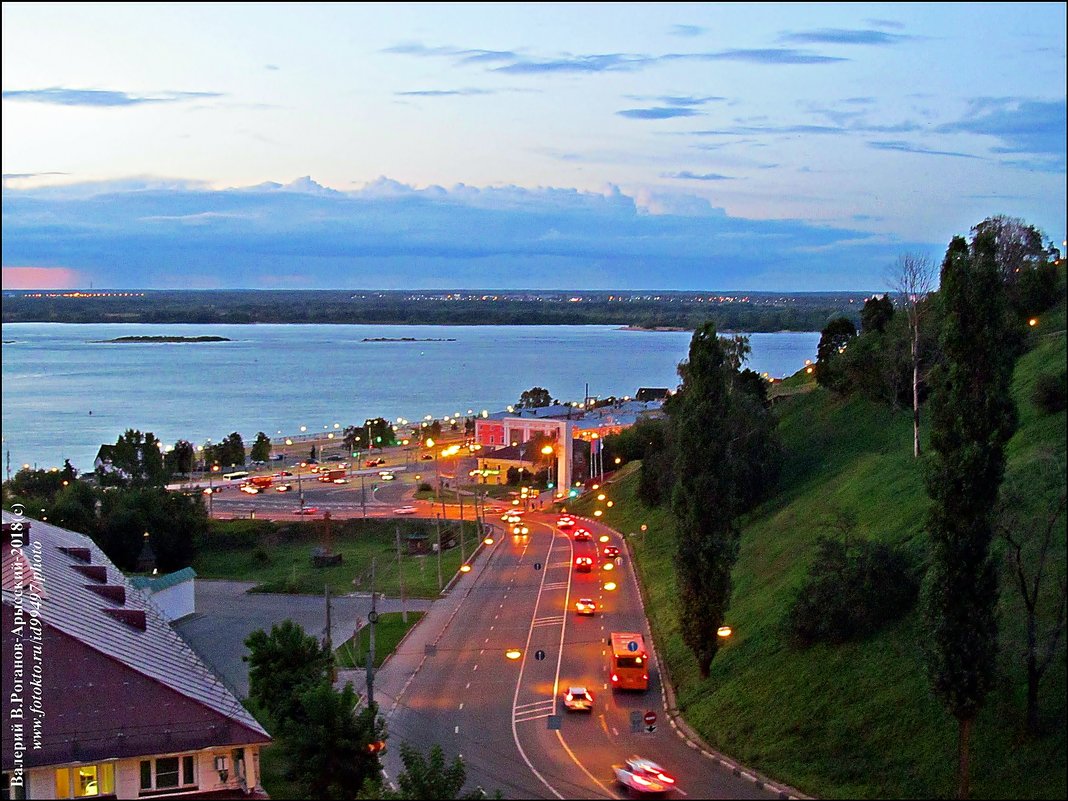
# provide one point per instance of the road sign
(650, 718)
(539, 655)
(537, 565)
(632, 646)
(372, 617)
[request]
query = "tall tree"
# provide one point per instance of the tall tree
(282, 665)
(431, 777)
(834, 338)
(876, 314)
(972, 417)
(704, 499)
(261, 448)
(332, 752)
(1031, 543)
(180, 458)
(534, 398)
(913, 279)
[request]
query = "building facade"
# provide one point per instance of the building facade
(103, 699)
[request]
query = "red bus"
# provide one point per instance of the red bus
(628, 661)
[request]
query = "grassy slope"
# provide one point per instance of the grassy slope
(857, 720)
(278, 556)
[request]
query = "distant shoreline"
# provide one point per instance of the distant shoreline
(408, 339)
(674, 328)
(159, 339)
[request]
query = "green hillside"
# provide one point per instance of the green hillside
(859, 720)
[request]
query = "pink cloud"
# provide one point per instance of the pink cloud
(42, 278)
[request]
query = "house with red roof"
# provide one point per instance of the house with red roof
(102, 698)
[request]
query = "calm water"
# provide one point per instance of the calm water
(277, 378)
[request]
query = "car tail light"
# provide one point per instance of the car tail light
(615, 678)
(665, 778)
(638, 779)
(645, 676)
(570, 697)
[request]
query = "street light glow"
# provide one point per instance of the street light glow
(513, 653)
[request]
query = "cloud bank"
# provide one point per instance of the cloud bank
(390, 235)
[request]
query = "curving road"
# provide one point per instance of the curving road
(471, 699)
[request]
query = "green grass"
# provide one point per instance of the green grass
(388, 633)
(858, 720)
(277, 556)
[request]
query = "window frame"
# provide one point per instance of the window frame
(187, 765)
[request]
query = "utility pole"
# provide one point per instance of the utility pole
(372, 618)
(460, 498)
(437, 523)
(400, 578)
(328, 642)
(363, 496)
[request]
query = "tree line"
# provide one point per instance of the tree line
(949, 353)
(753, 312)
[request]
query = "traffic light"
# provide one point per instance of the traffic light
(549, 485)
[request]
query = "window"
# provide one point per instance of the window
(85, 781)
(168, 773)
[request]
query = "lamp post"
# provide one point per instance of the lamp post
(550, 472)
(211, 489)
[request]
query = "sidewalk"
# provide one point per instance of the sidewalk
(392, 679)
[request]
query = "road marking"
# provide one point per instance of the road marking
(468, 687)
(461, 705)
(474, 668)
(456, 730)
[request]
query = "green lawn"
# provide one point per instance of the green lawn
(388, 633)
(278, 555)
(858, 720)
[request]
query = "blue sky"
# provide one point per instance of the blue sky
(667, 146)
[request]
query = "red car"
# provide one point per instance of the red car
(307, 510)
(565, 522)
(581, 535)
(583, 564)
(610, 551)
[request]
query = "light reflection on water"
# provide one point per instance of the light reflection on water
(276, 378)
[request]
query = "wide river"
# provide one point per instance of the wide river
(65, 392)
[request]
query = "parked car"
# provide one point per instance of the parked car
(405, 510)
(307, 510)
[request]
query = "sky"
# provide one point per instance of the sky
(759, 147)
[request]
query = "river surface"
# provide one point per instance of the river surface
(65, 392)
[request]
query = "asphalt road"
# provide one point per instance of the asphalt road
(471, 699)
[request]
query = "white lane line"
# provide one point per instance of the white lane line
(519, 684)
(468, 687)
(456, 730)
(474, 668)
(461, 705)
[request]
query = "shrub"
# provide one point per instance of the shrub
(851, 592)
(1049, 394)
(424, 487)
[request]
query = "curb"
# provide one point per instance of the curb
(687, 734)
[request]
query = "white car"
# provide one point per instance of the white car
(578, 699)
(643, 776)
(405, 510)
